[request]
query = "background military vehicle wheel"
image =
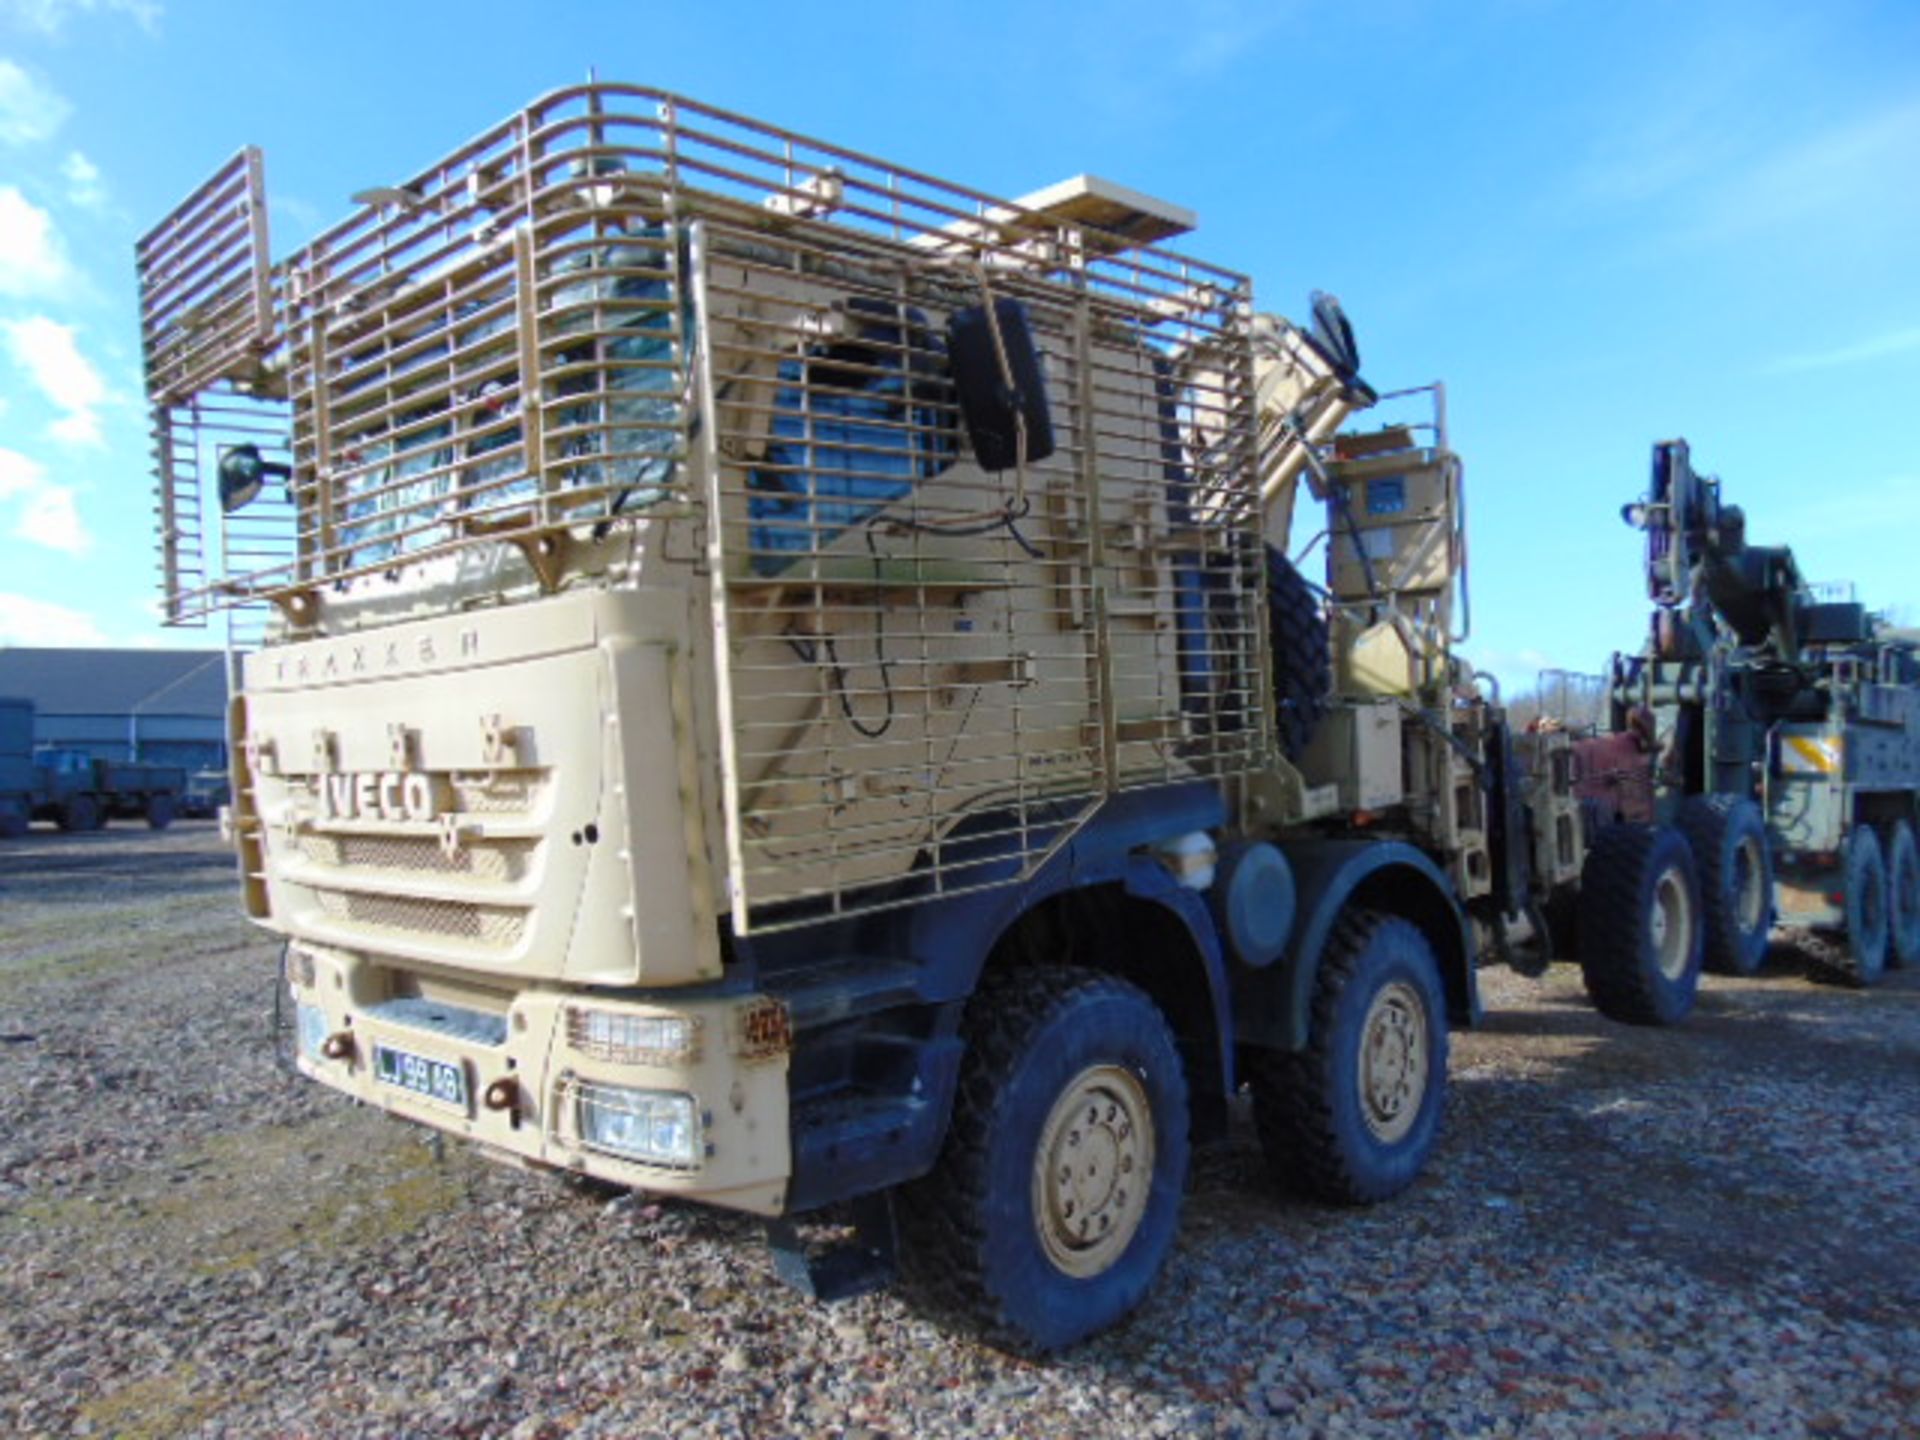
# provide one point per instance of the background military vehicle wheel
(1302, 671)
(160, 812)
(1641, 940)
(1903, 896)
(1352, 1118)
(1862, 958)
(1728, 838)
(1055, 1200)
(13, 822)
(79, 814)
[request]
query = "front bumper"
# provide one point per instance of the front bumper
(535, 1064)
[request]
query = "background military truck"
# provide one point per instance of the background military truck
(782, 685)
(206, 792)
(18, 780)
(1778, 727)
(72, 788)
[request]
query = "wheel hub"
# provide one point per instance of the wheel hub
(1093, 1169)
(1749, 888)
(1393, 1061)
(1670, 925)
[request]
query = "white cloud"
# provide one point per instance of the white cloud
(29, 111)
(49, 353)
(1851, 174)
(32, 263)
(44, 513)
(19, 474)
(49, 17)
(1213, 34)
(51, 517)
(1878, 347)
(85, 187)
(26, 621)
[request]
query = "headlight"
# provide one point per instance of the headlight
(633, 1039)
(312, 1022)
(657, 1126)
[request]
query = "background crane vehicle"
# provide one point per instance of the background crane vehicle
(777, 688)
(1777, 727)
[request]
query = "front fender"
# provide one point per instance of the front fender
(1274, 1006)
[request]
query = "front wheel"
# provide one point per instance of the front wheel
(81, 814)
(1055, 1200)
(1641, 940)
(1353, 1118)
(1728, 837)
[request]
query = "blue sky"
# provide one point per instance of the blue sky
(1601, 224)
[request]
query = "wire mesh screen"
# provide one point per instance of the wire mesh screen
(1572, 701)
(620, 307)
(937, 671)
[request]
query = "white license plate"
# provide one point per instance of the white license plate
(435, 1079)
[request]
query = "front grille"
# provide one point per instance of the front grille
(498, 794)
(488, 925)
(505, 861)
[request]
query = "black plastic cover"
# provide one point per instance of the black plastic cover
(1835, 623)
(991, 408)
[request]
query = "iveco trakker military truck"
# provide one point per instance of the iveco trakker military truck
(781, 687)
(1778, 727)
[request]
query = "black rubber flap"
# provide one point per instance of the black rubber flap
(988, 404)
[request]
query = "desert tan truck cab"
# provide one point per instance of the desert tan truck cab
(771, 679)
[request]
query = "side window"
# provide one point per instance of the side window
(856, 423)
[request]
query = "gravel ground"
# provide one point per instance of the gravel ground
(1697, 1232)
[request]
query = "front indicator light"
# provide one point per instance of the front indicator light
(658, 1127)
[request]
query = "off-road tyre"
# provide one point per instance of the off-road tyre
(1861, 959)
(1637, 885)
(982, 1235)
(1302, 668)
(1322, 1129)
(159, 812)
(1734, 863)
(79, 814)
(1562, 909)
(1903, 896)
(13, 821)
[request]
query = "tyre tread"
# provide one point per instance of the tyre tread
(1612, 926)
(944, 1236)
(1293, 1109)
(1704, 821)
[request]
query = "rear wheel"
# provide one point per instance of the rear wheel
(1353, 1118)
(1641, 939)
(160, 812)
(1055, 1200)
(1735, 867)
(80, 813)
(1863, 958)
(1903, 896)
(13, 820)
